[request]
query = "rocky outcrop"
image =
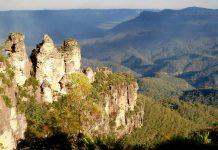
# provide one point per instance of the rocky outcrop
(116, 93)
(17, 57)
(121, 112)
(90, 74)
(49, 67)
(72, 56)
(105, 70)
(52, 65)
(12, 123)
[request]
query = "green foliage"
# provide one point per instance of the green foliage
(202, 137)
(190, 53)
(32, 82)
(79, 86)
(70, 114)
(8, 76)
(7, 101)
(80, 103)
(162, 87)
(185, 143)
(38, 118)
(103, 82)
(160, 124)
(59, 141)
(204, 96)
(10, 73)
(198, 113)
(5, 80)
(2, 90)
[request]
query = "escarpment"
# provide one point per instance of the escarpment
(12, 123)
(44, 78)
(118, 93)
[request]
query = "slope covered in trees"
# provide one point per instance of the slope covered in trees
(181, 43)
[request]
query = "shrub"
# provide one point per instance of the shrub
(7, 101)
(32, 82)
(1, 90)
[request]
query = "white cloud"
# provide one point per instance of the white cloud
(63, 4)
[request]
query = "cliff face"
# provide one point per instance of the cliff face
(121, 112)
(50, 69)
(12, 124)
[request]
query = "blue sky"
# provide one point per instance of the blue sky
(68, 4)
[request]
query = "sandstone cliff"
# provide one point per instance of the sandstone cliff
(12, 124)
(45, 80)
(118, 93)
(52, 65)
(17, 57)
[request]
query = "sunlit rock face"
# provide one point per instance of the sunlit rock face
(17, 56)
(121, 113)
(90, 74)
(118, 107)
(49, 67)
(12, 124)
(72, 55)
(52, 65)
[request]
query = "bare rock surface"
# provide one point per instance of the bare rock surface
(16, 51)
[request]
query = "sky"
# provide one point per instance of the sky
(104, 4)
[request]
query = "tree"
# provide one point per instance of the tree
(77, 111)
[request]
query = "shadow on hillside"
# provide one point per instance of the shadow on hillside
(59, 141)
(185, 144)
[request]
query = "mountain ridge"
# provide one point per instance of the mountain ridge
(163, 35)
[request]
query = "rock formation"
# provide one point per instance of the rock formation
(12, 123)
(16, 51)
(120, 114)
(90, 74)
(51, 67)
(72, 56)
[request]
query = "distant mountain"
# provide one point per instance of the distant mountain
(178, 42)
(204, 78)
(116, 67)
(61, 24)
